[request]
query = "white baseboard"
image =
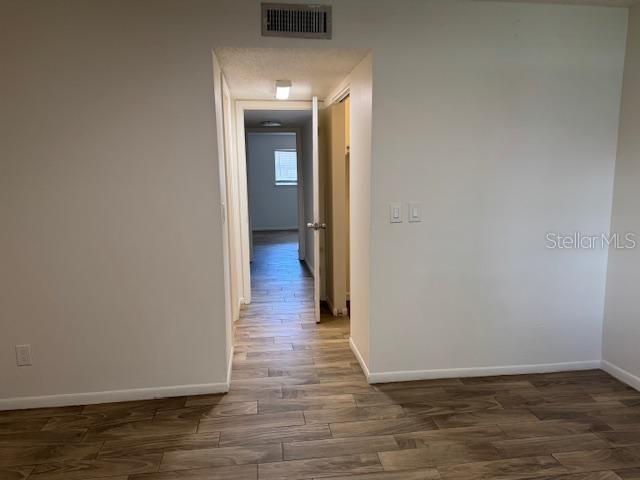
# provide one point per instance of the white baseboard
(88, 398)
(240, 305)
(361, 361)
(336, 311)
(410, 375)
(621, 374)
(229, 367)
(311, 270)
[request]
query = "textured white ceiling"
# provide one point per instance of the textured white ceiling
(252, 72)
(288, 118)
(602, 3)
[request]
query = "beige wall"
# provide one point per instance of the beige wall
(505, 130)
(500, 117)
(111, 237)
(622, 326)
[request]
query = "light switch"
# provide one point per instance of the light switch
(395, 212)
(415, 212)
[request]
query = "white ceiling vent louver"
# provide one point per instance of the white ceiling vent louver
(295, 20)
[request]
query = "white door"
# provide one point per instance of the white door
(317, 224)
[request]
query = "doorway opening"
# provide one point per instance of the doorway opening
(276, 150)
(278, 158)
(301, 282)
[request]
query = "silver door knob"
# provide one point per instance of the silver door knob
(317, 226)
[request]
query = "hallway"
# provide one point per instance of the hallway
(277, 342)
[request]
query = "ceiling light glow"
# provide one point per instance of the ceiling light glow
(283, 87)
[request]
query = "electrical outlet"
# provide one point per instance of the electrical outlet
(23, 355)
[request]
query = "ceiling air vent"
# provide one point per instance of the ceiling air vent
(293, 20)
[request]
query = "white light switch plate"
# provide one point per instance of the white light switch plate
(395, 212)
(415, 212)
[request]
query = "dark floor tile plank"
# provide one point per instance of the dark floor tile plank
(263, 382)
(235, 472)
(38, 454)
(22, 425)
(255, 435)
(31, 413)
(334, 388)
(490, 389)
(209, 411)
(268, 420)
(406, 395)
(307, 469)
(349, 414)
(220, 457)
(523, 447)
(383, 427)
(583, 381)
(268, 356)
(550, 428)
(342, 367)
(605, 390)
(80, 470)
(265, 347)
(628, 473)
(523, 400)
(621, 438)
(627, 394)
(98, 419)
(117, 477)
(487, 417)
(443, 407)
(606, 459)
(306, 403)
(148, 405)
(574, 410)
(15, 473)
(422, 474)
(608, 475)
(140, 429)
(149, 445)
(236, 396)
(41, 438)
(511, 469)
(422, 384)
(419, 439)
(439, 453)
(335, 447)
(624, 419)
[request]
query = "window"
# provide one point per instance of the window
(286, 167)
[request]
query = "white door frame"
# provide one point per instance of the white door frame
(241, 107)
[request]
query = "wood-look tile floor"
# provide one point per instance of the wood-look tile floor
(300, 408)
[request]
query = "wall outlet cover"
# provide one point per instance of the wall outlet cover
(23, 355)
